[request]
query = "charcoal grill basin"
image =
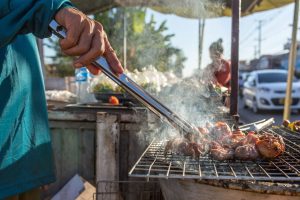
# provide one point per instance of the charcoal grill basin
(176, 189)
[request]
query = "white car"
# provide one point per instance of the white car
(265, 90)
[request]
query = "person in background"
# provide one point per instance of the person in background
(219, 68)
(26, 157)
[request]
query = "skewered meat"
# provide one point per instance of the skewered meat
(270, 146)
(220, 130)
(246, 152)
(220, 153)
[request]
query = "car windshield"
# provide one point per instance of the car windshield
(273, 78)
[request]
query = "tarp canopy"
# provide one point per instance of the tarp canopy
(184, 8)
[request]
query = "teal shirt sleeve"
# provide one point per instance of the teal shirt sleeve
(27, 16)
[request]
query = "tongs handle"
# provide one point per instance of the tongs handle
(134, 89)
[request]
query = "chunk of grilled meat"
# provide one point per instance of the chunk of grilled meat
(233, 141)
(220, 130)
(220, 153)
(250, 138)
(270, 146)
(184, 147)
(246, 152)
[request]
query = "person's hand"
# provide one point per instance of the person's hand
(85, 39)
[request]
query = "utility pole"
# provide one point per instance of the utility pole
(259, 37)
(201, 36)
(235, 33)
(255, 51)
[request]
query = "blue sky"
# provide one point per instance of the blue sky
(275, 32)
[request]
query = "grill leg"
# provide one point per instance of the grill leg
(107, 152)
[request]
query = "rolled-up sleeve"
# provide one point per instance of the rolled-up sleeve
(27, 16)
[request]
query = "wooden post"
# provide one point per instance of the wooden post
(292, 61)
(236, 13)
(107, 153)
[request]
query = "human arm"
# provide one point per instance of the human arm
(30, 16)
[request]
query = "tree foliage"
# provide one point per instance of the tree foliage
(147, 42)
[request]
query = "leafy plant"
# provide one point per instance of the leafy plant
(103, 88)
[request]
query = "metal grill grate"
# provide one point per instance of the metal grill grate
(154, 164)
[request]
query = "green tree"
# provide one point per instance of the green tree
(62, 64)
(147, 43)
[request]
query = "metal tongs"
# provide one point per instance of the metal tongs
(135, 90)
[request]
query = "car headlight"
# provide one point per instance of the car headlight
(263, 89)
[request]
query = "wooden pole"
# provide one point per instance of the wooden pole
(236, 14)
(292, 61)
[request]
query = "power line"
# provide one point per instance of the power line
(259, 28)
(247, 37)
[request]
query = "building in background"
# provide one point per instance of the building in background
(277, 61)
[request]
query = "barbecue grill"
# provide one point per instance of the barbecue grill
(155, 164)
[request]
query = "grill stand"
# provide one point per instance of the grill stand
(107, 151)
(118, 146)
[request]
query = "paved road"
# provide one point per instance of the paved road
(248, 116)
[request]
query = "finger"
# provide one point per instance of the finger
(95, 51)
(72, 38)
(94, 70)
(112, 58)
(84, 43)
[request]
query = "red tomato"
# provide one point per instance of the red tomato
(114, 100)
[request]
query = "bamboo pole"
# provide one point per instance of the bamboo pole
(292, 61)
